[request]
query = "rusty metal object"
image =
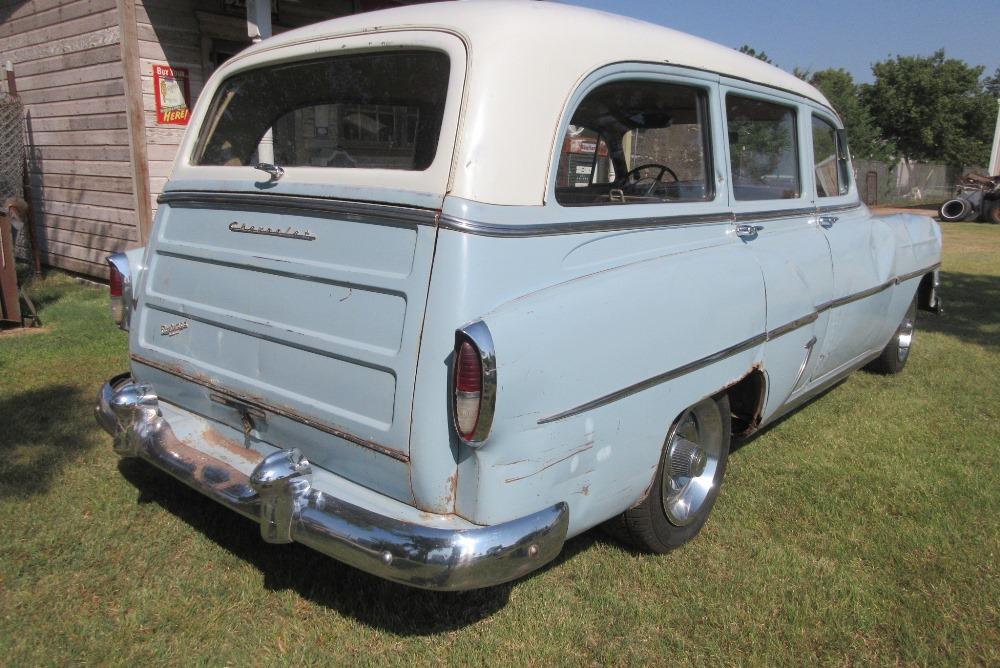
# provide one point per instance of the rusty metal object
(10, 306)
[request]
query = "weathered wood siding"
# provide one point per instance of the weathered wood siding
(179, 33)
(67, 59)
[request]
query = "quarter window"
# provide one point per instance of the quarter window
(634, 142)
(763, 149)
(830, 159)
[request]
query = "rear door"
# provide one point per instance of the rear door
(863, 252)
(774, 215)
(289, 301)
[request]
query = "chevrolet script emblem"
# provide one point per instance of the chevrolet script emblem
(288, 233)
(173, 329)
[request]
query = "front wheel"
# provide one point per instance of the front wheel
(687, 482)
(894, 355)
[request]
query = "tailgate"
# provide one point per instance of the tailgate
(303, 314)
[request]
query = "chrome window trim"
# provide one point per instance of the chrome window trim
(349, 210)
(731, 350)
(459, 224)
(479, 335)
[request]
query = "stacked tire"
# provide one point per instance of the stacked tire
(955, 210)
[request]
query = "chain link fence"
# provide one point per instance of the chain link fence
(907, 183)
(12, 161)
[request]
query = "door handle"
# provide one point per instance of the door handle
(827, 221)
(748, 231)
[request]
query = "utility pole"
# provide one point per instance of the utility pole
(995, 154)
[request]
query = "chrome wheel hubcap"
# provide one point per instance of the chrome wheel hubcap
(694, 447)
(904, 339)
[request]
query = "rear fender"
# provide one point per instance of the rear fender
(596, 335)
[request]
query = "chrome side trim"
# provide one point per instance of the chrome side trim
(277, 491)
(841, 301)
(792, 326)
(357, 211)
(272, 408)
(457, 224)
(479, 334)
(658, 379)
(732, 350)
(915, 274)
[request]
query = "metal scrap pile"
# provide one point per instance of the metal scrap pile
(976, 198)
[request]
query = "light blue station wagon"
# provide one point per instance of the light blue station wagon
(433, 289)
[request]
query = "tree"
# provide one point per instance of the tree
(865, 137)
(934, 108)
(759, 55)
(992, 84)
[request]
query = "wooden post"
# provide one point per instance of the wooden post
(135, 120)
(10, 306)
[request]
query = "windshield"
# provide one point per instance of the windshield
(372, 110)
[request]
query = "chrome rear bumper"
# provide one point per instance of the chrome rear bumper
(278, 492)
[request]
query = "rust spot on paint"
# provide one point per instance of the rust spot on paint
(449, 498)
(264, 405)
(215, 438)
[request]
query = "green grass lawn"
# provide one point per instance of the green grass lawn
(865, 528)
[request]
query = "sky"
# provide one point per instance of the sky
(851, 34)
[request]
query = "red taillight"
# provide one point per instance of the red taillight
(468, 388)
(115, 281)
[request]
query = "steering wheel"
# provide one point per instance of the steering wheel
(652, 180)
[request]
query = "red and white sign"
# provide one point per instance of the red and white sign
(172, 95)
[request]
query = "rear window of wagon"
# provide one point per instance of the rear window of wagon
(375, 110)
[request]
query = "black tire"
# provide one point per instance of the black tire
(648, 526)
(897, 352)
(955, 210)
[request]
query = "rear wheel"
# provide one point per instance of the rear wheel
(955, 210)
(687, 481)
(894, 355)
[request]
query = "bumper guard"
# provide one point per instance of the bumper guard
(279, 494)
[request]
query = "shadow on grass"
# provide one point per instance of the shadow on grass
(37, 439)
(971, 309)
(325, 581)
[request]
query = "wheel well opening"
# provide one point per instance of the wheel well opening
(928, 297)
(746, 402)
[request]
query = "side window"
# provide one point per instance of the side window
(829, 159)
(634, 142)
(763, 149)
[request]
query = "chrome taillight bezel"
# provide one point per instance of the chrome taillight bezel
(121, 306)
(478, 335)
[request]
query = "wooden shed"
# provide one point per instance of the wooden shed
(100, 82)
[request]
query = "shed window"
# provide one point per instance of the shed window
(763, 149)
(373, 110)
(634, 142)
(830, 159)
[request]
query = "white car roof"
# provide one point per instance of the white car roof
(525, 59)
